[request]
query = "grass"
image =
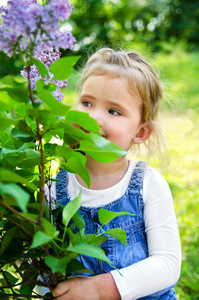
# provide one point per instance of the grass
(182, 176)
(180, 116)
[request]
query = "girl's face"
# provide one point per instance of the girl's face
(117, 112)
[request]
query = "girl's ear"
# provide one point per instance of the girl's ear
(143, 134)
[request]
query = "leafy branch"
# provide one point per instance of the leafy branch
(30, 116)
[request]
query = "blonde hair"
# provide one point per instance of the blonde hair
(141, 79)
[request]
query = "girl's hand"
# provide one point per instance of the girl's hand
(100, 287)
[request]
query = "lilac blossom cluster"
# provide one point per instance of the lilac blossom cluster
(47, 58)
(28, 27)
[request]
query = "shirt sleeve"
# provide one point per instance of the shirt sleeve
(161, 268)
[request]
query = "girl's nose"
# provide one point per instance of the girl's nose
(98, 116)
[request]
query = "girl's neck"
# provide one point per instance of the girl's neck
(104, 175)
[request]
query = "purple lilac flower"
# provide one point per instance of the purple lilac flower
(47, 58)
(28, 27)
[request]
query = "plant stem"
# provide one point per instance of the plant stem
(39, 136)
(6, 279)
(27, 279)
(18, 225)
(42, 177)
(29, 85)
(42, 170)
(19, 296)
(17, 213)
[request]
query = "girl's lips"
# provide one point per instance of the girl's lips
(104, 136)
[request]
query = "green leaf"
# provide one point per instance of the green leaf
(75, 164)
(6, 102)
(9, 176)
(101, 149)
(26, 288)
(63, 150)
(73, 134)
(63, 67)
(47, 227)
(40, 67)
(42, 115)
(6, 141)
(22, 197)
(119, 234)
(72, 238)
(12, 279)
(70, 209)
(50, 102)
(41, 238)
(75, 266)
(57, 265)
(84, 120)
(9, 235)
(13, 152)
(93, 239)
(105, 216)
(22, 136)
(79, 220)
(90, 250)
(4, 123)
(32, 159)
(45, 86)
(11, 80)
(17, 93)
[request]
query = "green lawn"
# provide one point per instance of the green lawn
(182, 175)
(181, 120)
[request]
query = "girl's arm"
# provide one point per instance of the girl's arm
(162, 268)
(100, 287)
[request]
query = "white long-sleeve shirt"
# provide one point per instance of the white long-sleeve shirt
(161, 268)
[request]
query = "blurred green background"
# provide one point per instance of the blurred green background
(167, 33)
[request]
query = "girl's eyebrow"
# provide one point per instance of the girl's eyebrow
(118, 106)
(87, 96)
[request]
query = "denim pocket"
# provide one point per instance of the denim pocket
(122, 256)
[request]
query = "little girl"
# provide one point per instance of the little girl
(122, 92)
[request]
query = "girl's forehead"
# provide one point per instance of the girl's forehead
(93, 81)
(110, 88)
(105, 82)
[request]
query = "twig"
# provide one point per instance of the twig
(12, 285)
(39, 136)
(18, 225)
(42, 178)
(17, 213)
(19, 296)
(26, 279)
(29, 85)
(6, 279)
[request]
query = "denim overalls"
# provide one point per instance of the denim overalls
(120, 255)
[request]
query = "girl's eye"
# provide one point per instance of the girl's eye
(114, 112)
(86, 103)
